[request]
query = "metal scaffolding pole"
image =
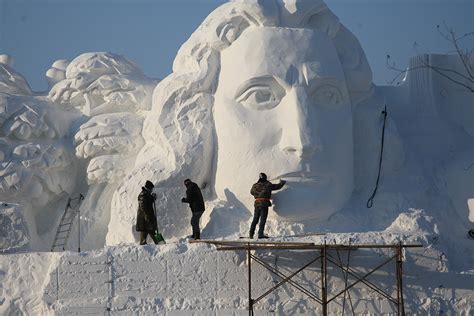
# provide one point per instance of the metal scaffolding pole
(324, 295)
(399, 272)
(249, 263)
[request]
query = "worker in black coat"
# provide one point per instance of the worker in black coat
(196, 203)
(146, 218)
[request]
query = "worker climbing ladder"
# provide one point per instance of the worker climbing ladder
(65, 225)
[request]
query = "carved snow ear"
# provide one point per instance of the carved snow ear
(324, 20)
(230, 30)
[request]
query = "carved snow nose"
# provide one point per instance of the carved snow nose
(297, 136)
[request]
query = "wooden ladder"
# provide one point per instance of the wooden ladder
(65, 225)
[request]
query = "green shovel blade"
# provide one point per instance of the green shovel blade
(159, 237)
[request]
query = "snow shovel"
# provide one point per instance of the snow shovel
(159, 237)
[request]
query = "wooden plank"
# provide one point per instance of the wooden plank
(232, 245)
(283, 247)
(233, 242)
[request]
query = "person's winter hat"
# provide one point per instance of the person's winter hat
(149, 185)
(262, 176)
(187, 181)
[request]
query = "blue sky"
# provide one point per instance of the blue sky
(149, 32)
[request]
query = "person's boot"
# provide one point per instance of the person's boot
(197, 236)
(251, 236)
(263, 237)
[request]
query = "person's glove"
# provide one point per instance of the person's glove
(183, 200)
(154, 196)
(147, 219)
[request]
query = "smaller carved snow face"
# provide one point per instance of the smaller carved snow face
(99, 83)
(109, 139)
(282, 107)
(25, 122)
(39, 172)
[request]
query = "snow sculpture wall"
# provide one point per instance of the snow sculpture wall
(114, 95)
(14, 234)
(259, 87)
(37, 167)
(96, 105)
(447, 105)
(435, 115)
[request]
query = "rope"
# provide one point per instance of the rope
(370, 201)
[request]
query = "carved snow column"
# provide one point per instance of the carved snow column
(420, 81)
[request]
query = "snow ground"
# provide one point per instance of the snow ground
(194, 279)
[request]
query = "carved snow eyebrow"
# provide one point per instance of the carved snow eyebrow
(333, 83)
(257, 81)
(315, 83)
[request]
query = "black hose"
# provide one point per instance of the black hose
(471, 233)
(370, 201)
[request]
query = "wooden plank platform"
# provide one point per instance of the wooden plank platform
(289, 245)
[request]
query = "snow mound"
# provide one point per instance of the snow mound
(414, 222)
(14, 234)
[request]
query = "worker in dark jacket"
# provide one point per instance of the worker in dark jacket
(196, 203)
(146, 218)
(262, 191)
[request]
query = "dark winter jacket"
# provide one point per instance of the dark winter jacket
(262, 191)
(146, 219)
(194, 197)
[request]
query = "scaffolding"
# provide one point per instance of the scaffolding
(324, 254)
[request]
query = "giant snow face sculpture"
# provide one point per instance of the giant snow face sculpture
(260, 86)
(282, 107)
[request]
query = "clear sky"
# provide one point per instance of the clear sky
(149, 32)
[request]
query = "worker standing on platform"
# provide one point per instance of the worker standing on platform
(146, 219)
(196, 203)
(262, 191)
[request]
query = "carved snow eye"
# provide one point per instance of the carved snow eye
(20, 130)
(232, 29)
(259, 98)
(260, 94)
(327, 95)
